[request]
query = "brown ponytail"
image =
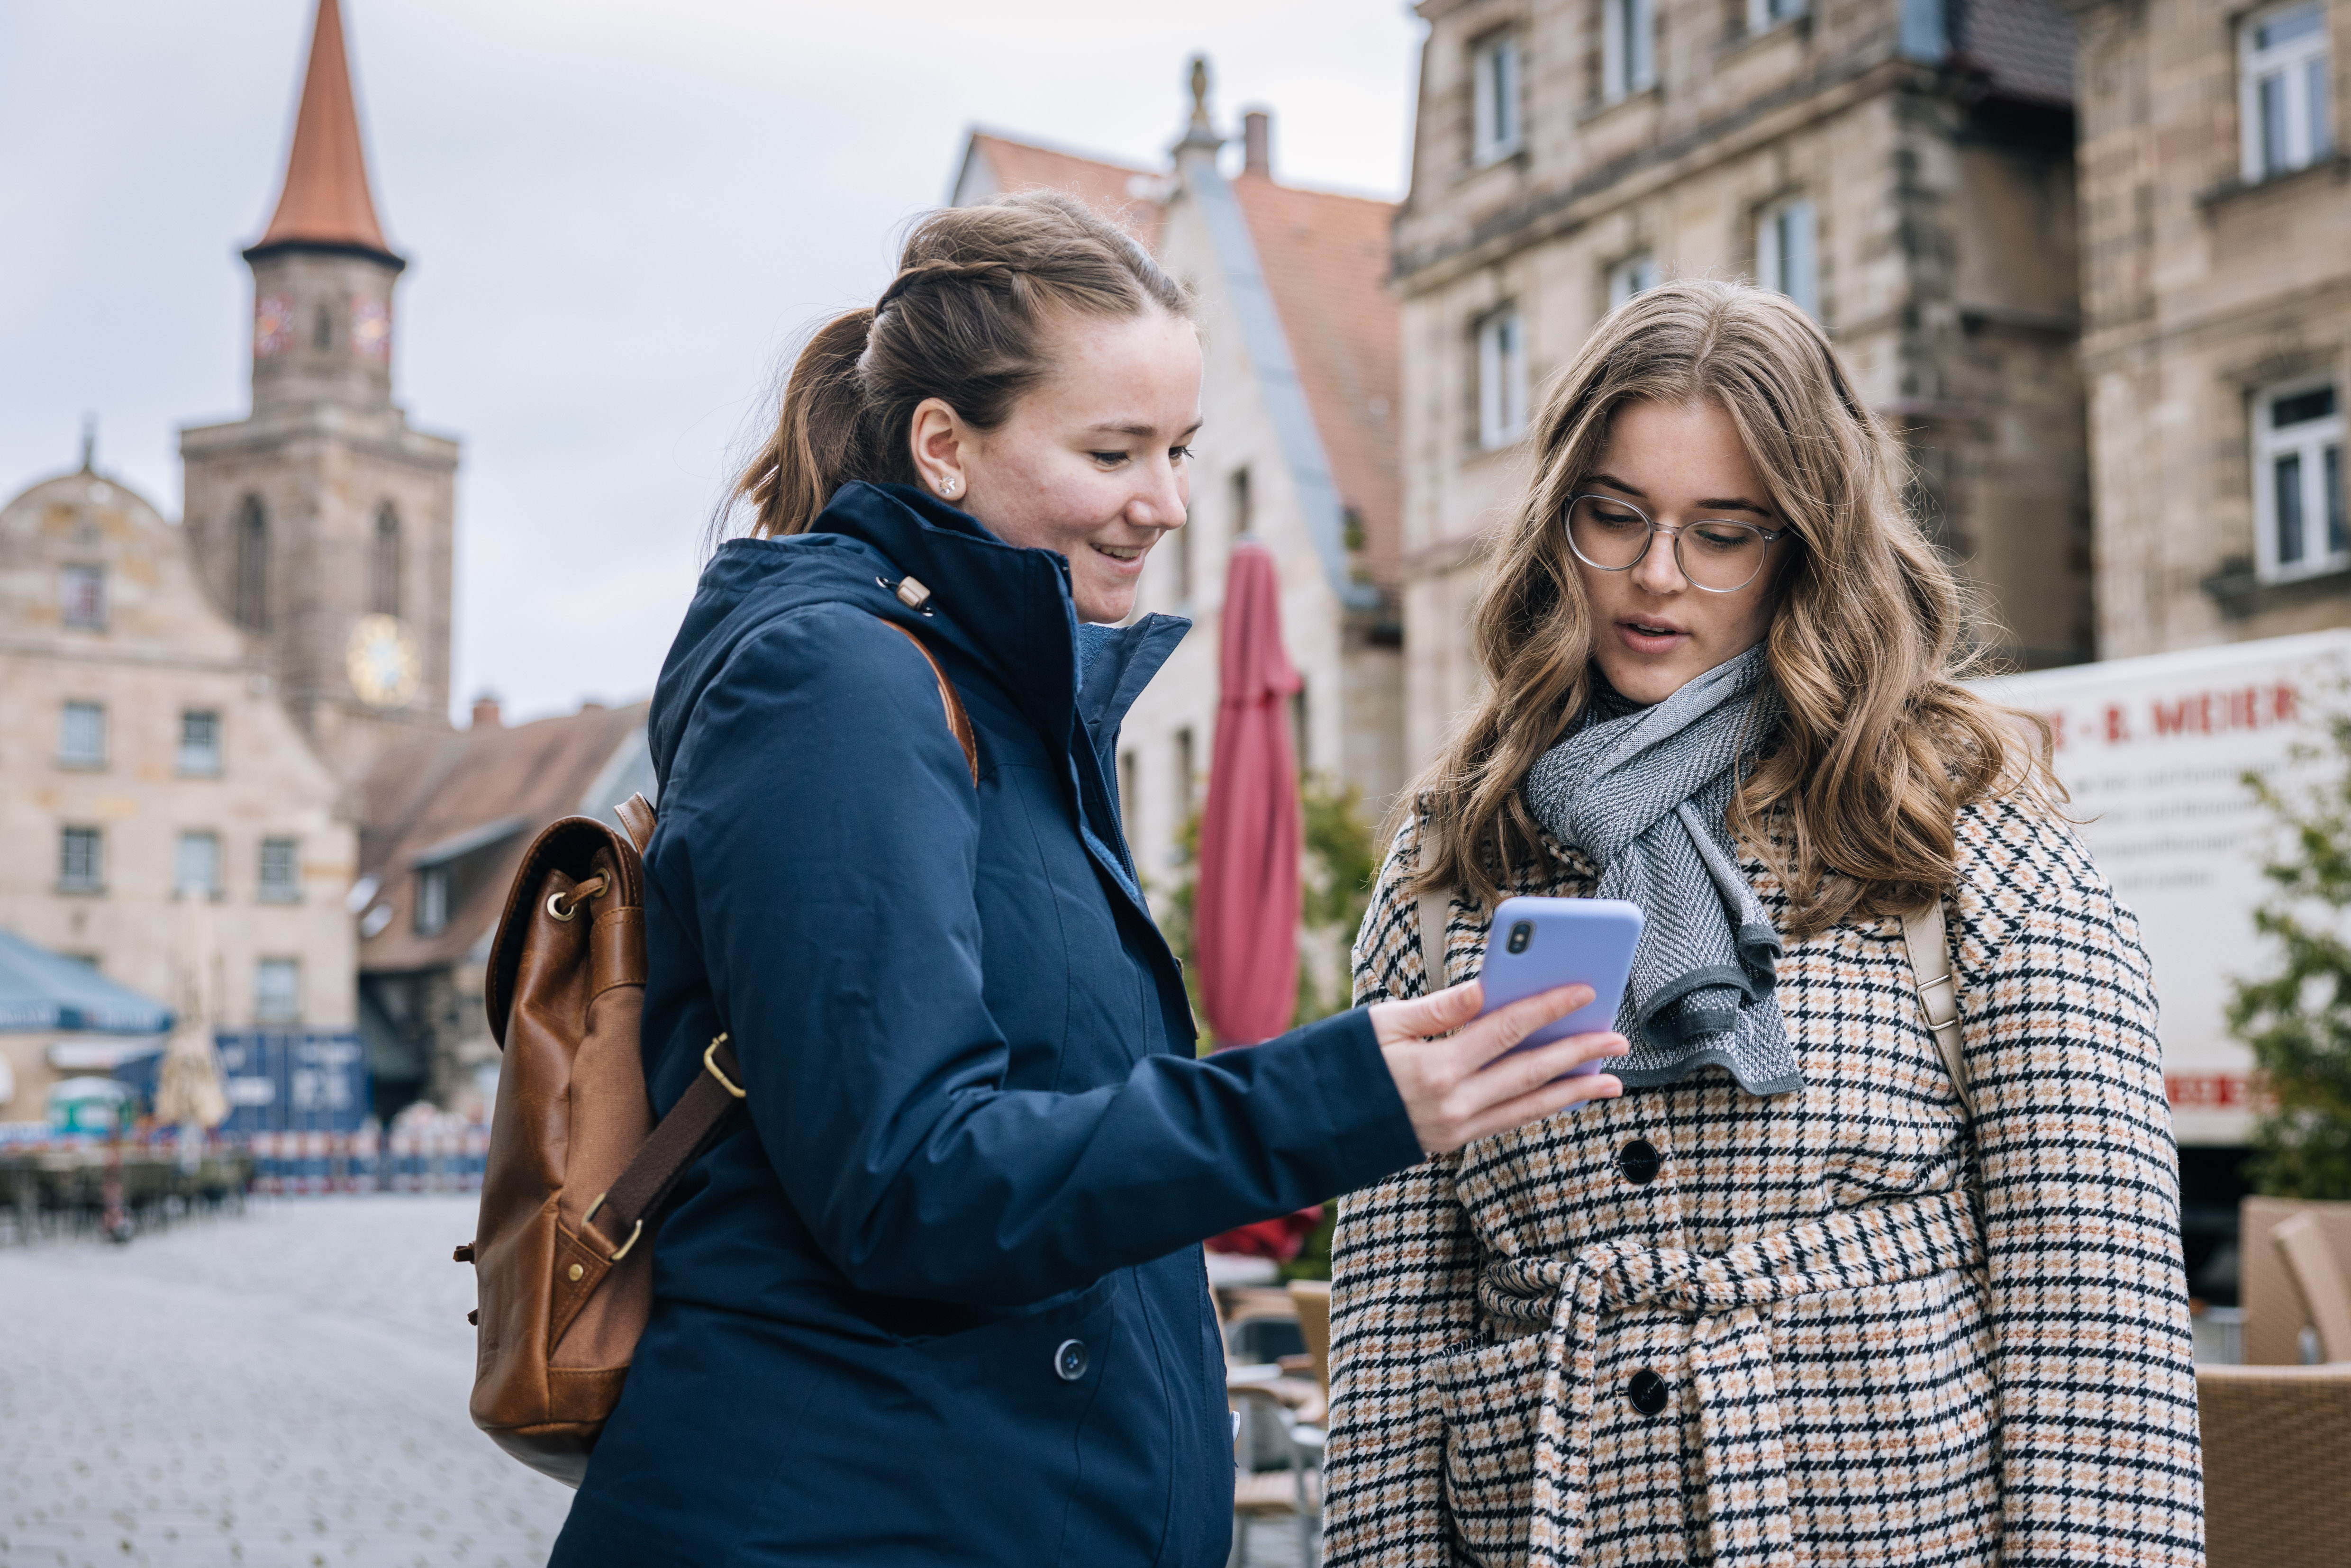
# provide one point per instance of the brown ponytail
(966, 320)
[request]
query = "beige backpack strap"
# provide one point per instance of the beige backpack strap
(1436, 910)
(636, 814)
(1936, 980)
(958, 720)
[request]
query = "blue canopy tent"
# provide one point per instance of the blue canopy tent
(103, 1025)
(45, 992)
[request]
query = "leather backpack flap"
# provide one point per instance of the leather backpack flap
(600, 1304)
(565, 1002)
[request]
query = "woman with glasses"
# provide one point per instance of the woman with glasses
(1828, 1282)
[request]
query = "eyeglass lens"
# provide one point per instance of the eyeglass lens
(1714, 554)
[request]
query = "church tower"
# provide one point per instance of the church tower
(324, 524)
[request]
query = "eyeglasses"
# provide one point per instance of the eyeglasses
(1720, 555)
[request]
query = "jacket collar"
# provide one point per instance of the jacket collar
(1010, 609)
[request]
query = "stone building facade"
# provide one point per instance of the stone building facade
(2216, 232)
(322, 523)
(1904, 171)
(1298, 450)
(144, 751)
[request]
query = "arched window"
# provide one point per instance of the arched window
(253, 565)
(322, 330)
(383, 577)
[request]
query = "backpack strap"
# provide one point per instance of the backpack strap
(1435, 913)
(702, 1112)
(678, 1140)
(636, 814)
(1935, 979)
(958, 720)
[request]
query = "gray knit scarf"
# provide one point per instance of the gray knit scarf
(1642, 791)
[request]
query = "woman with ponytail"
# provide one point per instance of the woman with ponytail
(938, 1297)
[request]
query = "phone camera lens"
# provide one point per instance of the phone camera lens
(1522, 933)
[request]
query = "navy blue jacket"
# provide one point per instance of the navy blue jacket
(937, 1296)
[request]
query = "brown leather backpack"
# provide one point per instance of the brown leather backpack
(577, 1169)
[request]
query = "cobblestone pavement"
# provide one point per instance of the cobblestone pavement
(284, 1389)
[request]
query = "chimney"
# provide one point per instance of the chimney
(1256, 143)
(486, 711)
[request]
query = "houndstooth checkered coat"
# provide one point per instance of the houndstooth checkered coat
(1869, 1339)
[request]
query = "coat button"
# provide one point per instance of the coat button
(1070, 1361)
(1647, 1391)
(1639, 1161)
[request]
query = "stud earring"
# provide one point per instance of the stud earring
(946, 484)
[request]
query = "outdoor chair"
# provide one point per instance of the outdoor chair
(2296, 1273)
(1282, 1479)
(1277, 1438)
(1312, 1300)
(2277, 1452)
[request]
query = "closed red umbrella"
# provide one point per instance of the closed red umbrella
(1245, 920)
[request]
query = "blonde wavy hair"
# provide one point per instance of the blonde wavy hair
(1852, 803)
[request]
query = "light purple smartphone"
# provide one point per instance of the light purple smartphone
(1538, 944)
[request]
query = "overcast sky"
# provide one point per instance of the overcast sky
(618, 218)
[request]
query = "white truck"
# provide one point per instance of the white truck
(2154, 751)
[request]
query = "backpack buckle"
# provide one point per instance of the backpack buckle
(710, 1063)
(634, 1231)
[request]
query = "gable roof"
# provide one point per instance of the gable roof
(473, 801)
(1325, 261)
(1123, 193)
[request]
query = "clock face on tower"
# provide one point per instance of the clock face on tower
(383, 662)
(372, 329)
(273, 326)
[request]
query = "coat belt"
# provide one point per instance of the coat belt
(1728, 1297)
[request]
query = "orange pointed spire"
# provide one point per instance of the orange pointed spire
(326, 200)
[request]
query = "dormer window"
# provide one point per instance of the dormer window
(1495, 129)
(82, 597)
(432, 899)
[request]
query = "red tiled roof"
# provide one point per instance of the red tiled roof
(1325, 258)
(435, 793)
(1121, 192)
(326, 198)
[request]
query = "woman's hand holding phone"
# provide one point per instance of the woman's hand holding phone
(1476, 1082)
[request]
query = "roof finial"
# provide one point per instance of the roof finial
(89, 444)
(1200, 136)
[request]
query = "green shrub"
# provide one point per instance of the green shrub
(2297, 1020)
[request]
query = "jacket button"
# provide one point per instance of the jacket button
(1639, 1161)
(1070, 1361)
(1647, 1391)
